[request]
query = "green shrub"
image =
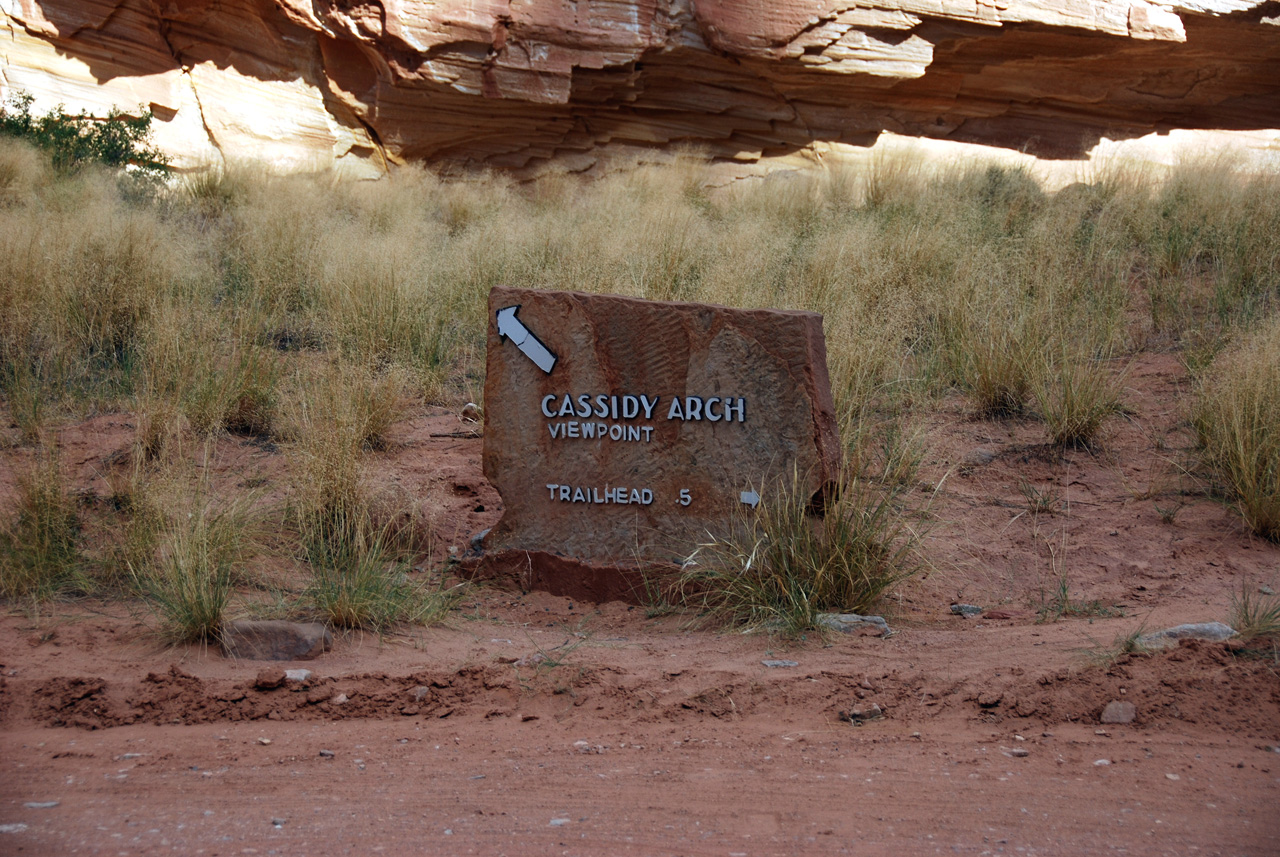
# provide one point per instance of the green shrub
(72, 141)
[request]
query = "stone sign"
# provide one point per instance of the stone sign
(620, 432)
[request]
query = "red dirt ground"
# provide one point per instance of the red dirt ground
(636, 734)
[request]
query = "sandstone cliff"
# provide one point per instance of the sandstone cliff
(517, 83)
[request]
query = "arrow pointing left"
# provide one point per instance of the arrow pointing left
(512, 328)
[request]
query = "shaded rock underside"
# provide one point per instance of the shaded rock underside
(518, 84)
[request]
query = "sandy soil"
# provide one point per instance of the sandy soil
(533, 724)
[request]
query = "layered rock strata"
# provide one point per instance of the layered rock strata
(519, 83)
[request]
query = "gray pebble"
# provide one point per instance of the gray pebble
(849, 623)
(966, 610)
(41, 804)
(780, 663)
(1212, 631)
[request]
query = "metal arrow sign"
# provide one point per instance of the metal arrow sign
(512, 328)
(751, 498)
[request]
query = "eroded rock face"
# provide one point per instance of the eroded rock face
(520, 83)
(620, 431)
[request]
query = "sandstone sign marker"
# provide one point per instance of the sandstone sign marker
(621, 433)
(510, 327)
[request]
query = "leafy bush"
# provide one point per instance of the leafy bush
(72, 141)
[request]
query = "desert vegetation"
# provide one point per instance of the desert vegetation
(312, 313)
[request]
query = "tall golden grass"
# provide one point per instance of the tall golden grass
(241, 301)
(1237, 417)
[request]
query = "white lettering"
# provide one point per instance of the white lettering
(602, 405)
(555, 428)
(648, 405)
(564, 493)
(615, 432)
(566, 407)
(578, 496)
(692, 408)
(630, 407)
(674, 412)
(712, 416)
(648, 430)
(738, 404)
(572, 428)
(584, 405)
(546, 400)
(553, 488)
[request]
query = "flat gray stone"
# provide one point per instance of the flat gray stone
(1119, 712)
(1214, 632)
(297, 675)
(966, 610)
(979, 457)
(275, 640)
(852, 623)
(41, 804)
(780, 663)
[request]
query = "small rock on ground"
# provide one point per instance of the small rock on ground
(966, 610)
(850, 623)
(780, 663)
(1119, 712)
(1212, 631)
(41, 804)
(275, 640)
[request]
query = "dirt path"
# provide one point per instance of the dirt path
(530, 724)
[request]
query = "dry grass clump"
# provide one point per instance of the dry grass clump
(1237, 418)
(39, 546)
(781, 565)
(1255, 615)
(189, 559)
(1076, 392)
(359, 546)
